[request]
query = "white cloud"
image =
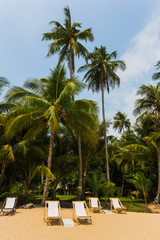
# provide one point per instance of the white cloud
(144, 50)
(140, 57)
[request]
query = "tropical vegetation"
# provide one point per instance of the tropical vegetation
(53, 143)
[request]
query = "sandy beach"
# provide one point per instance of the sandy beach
(28, 224)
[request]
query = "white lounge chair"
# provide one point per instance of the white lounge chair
(95, 205)
(80, 211)
(9, 205)
(53, 212)
(116, 205)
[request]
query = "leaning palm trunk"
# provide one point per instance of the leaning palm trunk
(80, 169)
(157, 199)
(105, 135)
(49, 166)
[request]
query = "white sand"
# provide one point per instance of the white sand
(29, 225)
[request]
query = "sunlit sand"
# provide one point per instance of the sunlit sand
(28, 224)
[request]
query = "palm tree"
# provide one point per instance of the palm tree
(96, 183)
(142, 183)
(3, 106)
(101, 74)
(49, 105)
(66, 40)
(149, 106)
(3, 82)
(156, 75)
(6, 157)
(121, 122)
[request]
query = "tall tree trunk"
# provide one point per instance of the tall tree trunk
(85, 174)
(145, 198)
(54, 190)
(80, 169)
(157, 199)
(122, 186)
(70, 62)
(26, 190)
(84, 183)
(105, 134)
(71, 56)
(49, 166)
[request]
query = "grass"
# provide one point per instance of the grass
(133, 205)
(66, 197)
(37, 198)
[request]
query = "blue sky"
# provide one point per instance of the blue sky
(132, 27)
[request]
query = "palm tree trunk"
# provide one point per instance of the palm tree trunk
(122, 186)
(84, 183)
(145, 198)
(105, 134)
(79, 140)
(80, 169)
(157, 199)
(49, 166)
(54, 189)
(85, 174)
(26, 190)
(70, 62)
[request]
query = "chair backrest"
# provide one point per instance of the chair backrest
(115, 202)
(10, 202)
(53, 209)
(94, 202)
(80, 210)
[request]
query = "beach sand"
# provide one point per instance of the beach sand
(28, 224)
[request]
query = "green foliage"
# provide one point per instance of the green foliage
(99, 186)
(156, 75)
(102, 69)
(109, 189)
(45, 109)
(66, 39)
(16, 189)
(142, 183)
(3, 83)
(96, 183)
(121, 122)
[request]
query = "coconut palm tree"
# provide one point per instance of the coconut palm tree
(156, 75)
(49, 105)
(3, 106)
(3, 82)
(66, 40)
(149, 106)
(142, 183)
(6, 157)
(121, 122)
(101, 74)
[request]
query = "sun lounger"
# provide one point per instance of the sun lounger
(95, 205)
(9, 205)
(116, 205)
(80, 211)
(52, 212)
